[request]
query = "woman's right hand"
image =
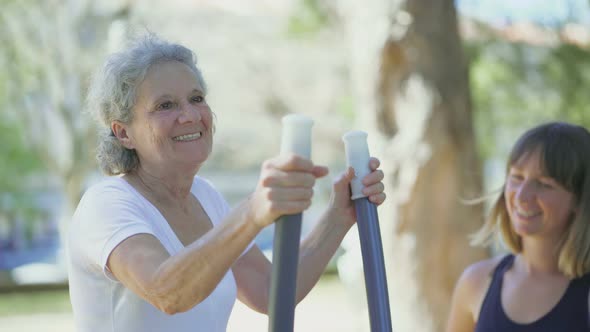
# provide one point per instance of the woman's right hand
(285, 187)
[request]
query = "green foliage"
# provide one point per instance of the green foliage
(308, 19)
(345, 106)
(568, 73)
(517, 86)
(16, 159)
(17, 163)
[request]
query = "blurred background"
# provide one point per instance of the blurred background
(442, 87)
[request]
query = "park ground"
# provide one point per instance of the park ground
(329, 307)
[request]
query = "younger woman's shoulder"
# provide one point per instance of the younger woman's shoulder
(483, 269)
(473, 284)
(476, 278)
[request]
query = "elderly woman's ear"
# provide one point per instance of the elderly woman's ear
(119, 130)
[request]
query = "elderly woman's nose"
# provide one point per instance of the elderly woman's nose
(189, 113)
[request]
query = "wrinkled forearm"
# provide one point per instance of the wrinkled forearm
(189, 277)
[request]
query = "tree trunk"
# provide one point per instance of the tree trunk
(414, 99)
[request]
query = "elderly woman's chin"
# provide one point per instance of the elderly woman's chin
(194, 154)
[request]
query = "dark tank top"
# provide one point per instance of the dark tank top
(570, 314)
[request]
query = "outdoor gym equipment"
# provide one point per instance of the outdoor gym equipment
(285, 253)
(297, 139)
(357, 157)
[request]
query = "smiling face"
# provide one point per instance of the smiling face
(537, 204)
(172, 123)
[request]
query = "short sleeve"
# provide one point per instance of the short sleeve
(213, 202)
(108, 214)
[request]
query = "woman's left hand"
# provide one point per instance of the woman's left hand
(341, 207)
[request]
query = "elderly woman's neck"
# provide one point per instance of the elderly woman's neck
(165, 189)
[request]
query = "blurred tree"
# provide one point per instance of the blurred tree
(518, 85)
(50, 48)
(527, 70)
(411, 79)
(17, 162)
(16, 158)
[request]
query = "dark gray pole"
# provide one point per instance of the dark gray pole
(373, 265)
(296, 139)
(357, 155)
(283, 283)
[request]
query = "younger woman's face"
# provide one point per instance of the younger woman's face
(537, 204)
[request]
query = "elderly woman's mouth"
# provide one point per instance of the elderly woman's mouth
(188, 137)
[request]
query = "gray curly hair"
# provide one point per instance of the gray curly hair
(113, 92)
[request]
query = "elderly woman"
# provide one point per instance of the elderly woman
(155, 247)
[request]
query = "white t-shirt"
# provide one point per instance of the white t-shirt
(108, 213)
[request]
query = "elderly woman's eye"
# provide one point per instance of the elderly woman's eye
(198, 99)
(166, 105)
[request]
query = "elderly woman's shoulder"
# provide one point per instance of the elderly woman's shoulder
(108, 188)
(108, 182)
